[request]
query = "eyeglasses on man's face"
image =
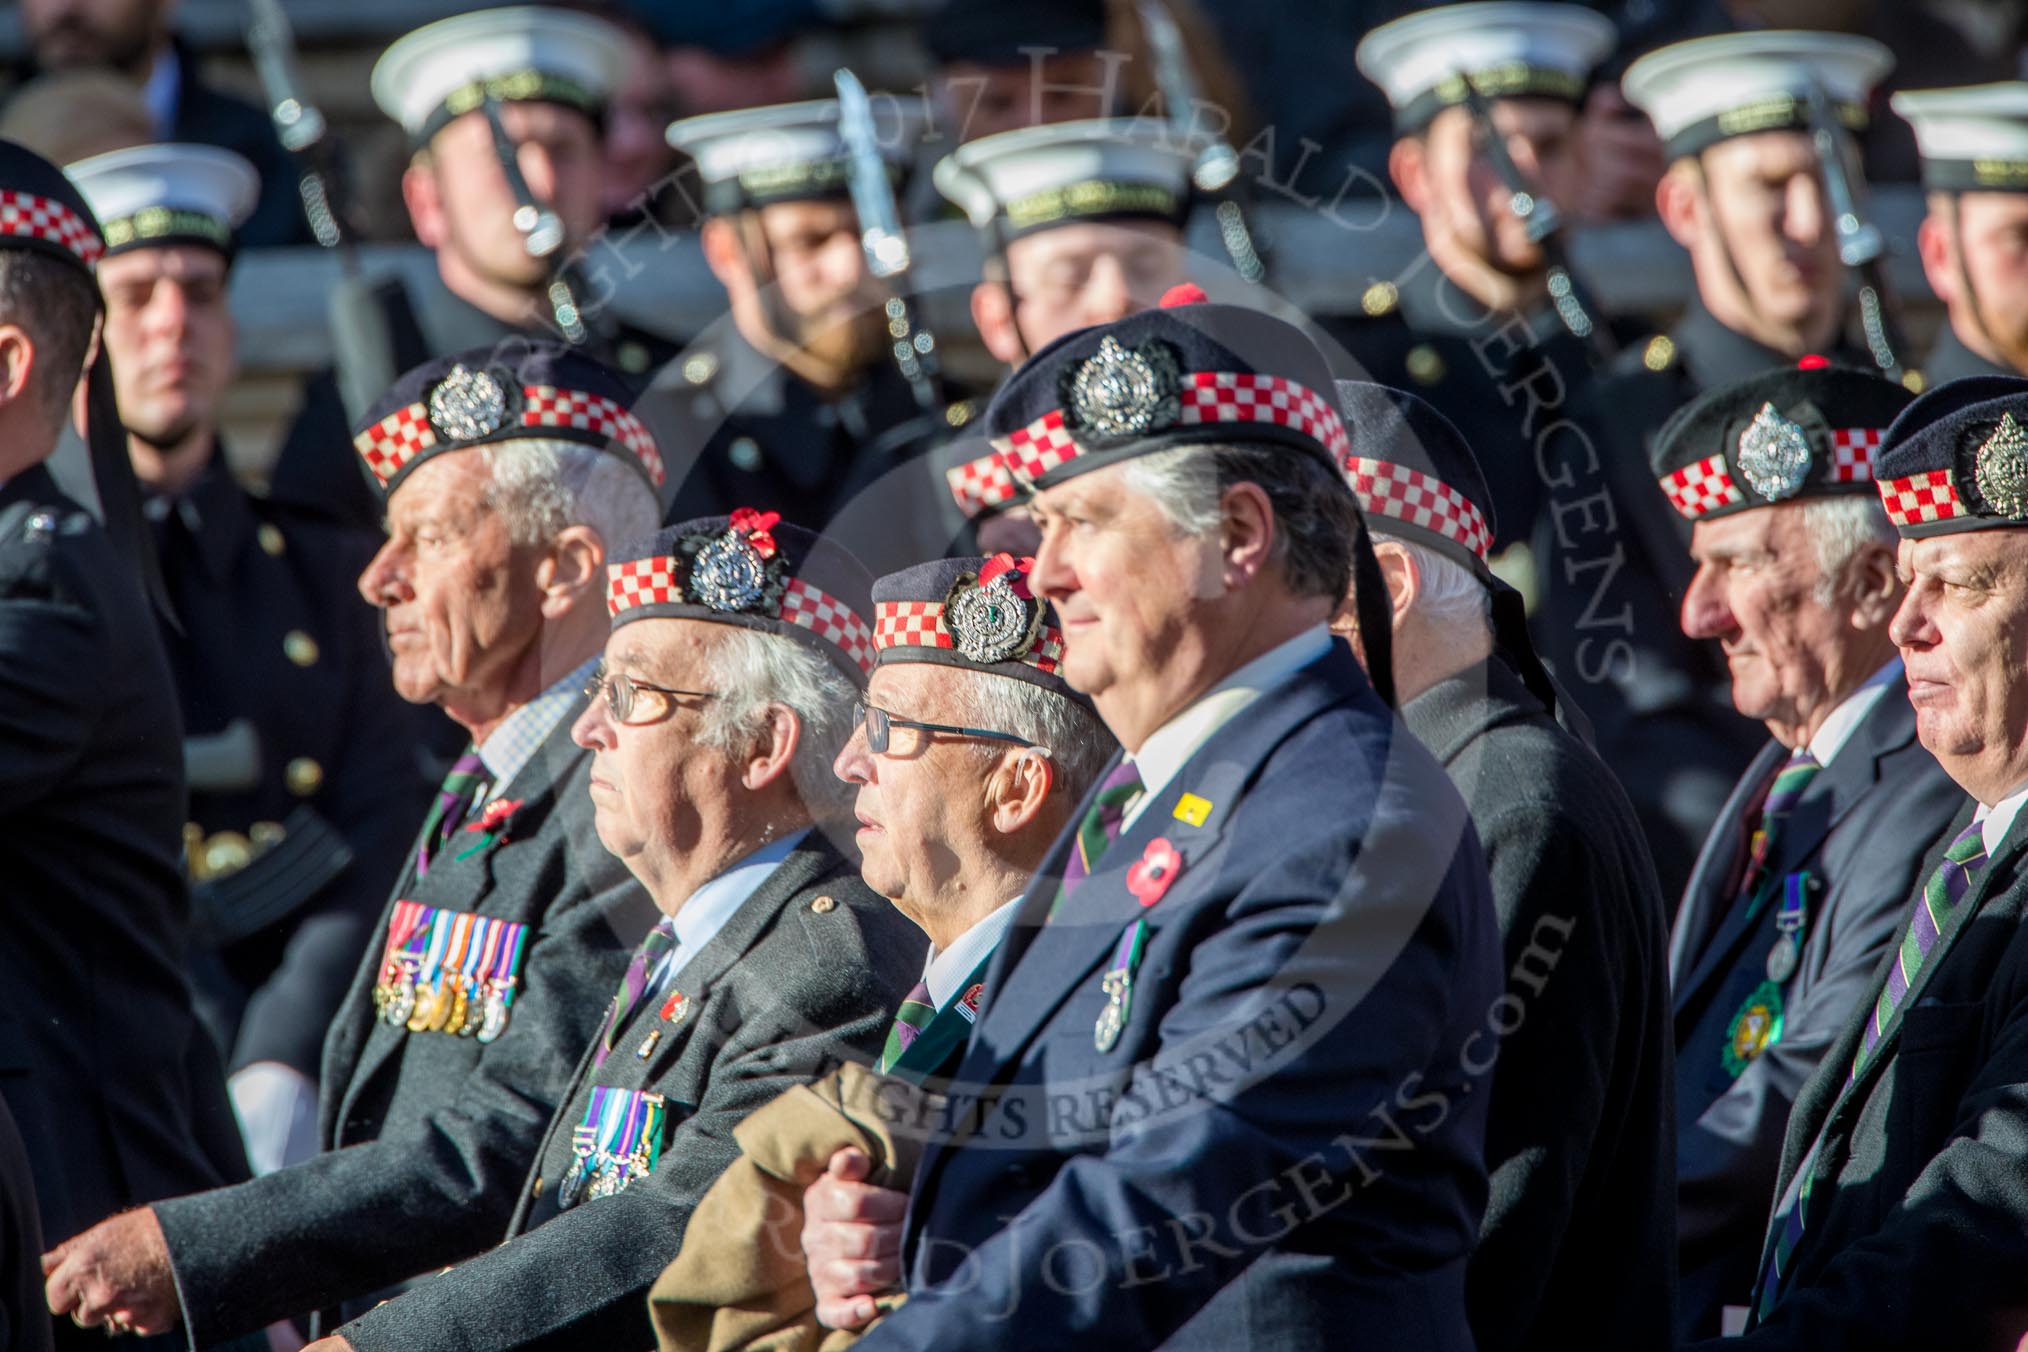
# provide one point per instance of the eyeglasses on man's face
(880, 726)
(623, 695)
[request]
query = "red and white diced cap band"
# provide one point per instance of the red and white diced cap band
(390, 444)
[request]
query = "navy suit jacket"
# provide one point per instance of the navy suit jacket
(1858, 832)
(1285, 1143)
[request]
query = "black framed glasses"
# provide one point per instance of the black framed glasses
(623, 694)
(880, 726)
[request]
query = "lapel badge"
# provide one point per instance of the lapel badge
(1774, 455)
(2001, 469)
(730, 572)
(675, 1007)
(467, 404)
(993, 617)
(1120, 392)
(1151, 874)
(647, 1047)
(968, 1003)
(1192, 810)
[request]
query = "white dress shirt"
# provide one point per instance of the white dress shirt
(1851, 712)
(946, 969)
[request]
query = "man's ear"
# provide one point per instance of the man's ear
(574, 568)
(1934, 245)
(1408, 166)
(1246, 533)
(993, 317)
(1404, 580)
(423, 197)
(1677, 199)
(774, 749)
(1018, 788)
(1875, 589)
(17, 365)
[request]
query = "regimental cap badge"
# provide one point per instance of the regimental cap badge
(993, 617)
(1774, 455)
(1119, 392)
(2001, 469)
(731, 572)
(468, 404)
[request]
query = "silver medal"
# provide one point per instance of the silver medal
(1783, 958)
(494, 1023)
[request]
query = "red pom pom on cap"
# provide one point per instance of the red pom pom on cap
(1184, 293)
(1812, 362)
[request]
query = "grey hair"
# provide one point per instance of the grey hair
(1447, 592)
(1839, 528)
(1078, 743)
(541, 485)
(750, 671)
(1314, 509)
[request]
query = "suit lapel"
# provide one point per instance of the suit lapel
(806, 864)
(460, 885)
(944, 1034)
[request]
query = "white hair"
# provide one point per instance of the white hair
(1077, 742)
(1839, 528)
(1315, 512)
(749, 671)
(1447, 593)
(541, 485)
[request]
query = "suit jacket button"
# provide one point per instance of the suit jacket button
(824, 905)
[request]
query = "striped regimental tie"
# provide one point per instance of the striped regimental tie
(460, 789)
(1782, 796)
(1099, 829)
(1941, 896)
(914, 1016)
(660, 941)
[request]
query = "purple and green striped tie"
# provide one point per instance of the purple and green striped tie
(647, 957)
(454, 799)
(1099, 829)
(914, 1016)
(1782, 796)
(1941, 896)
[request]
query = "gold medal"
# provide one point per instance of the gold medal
(424, 1008)
(459, 1002)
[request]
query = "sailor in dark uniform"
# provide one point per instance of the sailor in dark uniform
(304, 783)
(1080, 223)
(104, 1066)
(1471, 325)
(1744, 195)
(793, 402)
(1805, 877)
(548, 72)
(1974, 145)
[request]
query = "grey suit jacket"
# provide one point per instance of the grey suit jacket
(808, 971)
(1858, 831)
(427, 1137)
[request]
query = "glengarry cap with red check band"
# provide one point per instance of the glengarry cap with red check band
(976, 613)
(510, 392)
(1957, 459)
(1807, 431)
(1418, 480)
(980, 482)
(1186, 373)
(753, 570)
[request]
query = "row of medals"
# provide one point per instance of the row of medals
(601, 1173)
(457, 1004)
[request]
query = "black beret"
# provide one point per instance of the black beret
(505, 392)
(1957, 459)
(1807, 431)
(42, 209)
(1414, 474)
(1185, 373)
(755, 571)
(976, 613)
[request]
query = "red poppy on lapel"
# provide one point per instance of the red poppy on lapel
(492, 825)
(1158, 866)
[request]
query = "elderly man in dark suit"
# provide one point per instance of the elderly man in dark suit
(1218, 1095)
(737, 646)
(1901, 1214)
(1805, 877)
(509, 926)
(1577, 1141)
(116, 1090)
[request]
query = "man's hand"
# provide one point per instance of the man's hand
(851, 1240)
(116, 1274)
(1621, 158)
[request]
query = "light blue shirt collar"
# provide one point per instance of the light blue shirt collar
(715, 903)
(945, 971)
(509, 747)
